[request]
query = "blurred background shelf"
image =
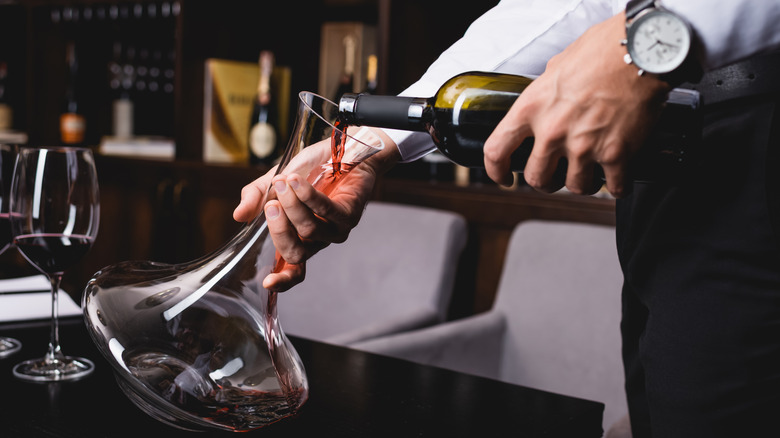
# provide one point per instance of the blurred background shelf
(177, 209)
(179, 36)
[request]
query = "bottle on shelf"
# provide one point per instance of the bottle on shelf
(264, 145)
(6, 113)
(371, 71)
(72, 121)
(347, 77)
(466, 109)
(120, 82)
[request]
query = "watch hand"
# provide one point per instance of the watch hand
(657, 42)
(666, 44)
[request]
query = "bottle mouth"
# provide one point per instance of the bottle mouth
(347, 103)
(313, 101)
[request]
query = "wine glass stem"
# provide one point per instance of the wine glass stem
(54, 352)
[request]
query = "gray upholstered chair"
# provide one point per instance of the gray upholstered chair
(554, 325)
(394, 273)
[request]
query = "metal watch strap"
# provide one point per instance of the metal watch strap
(634, 7)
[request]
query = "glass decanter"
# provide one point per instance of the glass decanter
(199, 345)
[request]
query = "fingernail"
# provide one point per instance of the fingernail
(280, 186)
(272, 212)
(294, 183)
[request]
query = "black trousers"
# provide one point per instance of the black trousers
(701, 300)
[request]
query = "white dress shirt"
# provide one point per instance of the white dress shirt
(519, 36)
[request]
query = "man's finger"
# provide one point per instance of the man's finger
(284, 235)
(288, 277)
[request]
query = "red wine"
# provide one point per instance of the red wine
(53, 253)
(338, 140)
(215, 367)
(179, 382)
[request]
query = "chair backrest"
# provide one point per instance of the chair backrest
(395, 272)
(560, 292)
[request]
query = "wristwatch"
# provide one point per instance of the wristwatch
(660, 42)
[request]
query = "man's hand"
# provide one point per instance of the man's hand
(301, 220)
(589, 107)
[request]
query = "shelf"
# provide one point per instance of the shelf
(409, 37)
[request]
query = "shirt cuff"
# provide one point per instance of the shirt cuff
(412, 145)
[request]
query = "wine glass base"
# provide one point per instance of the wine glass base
(9, 346)
(62, 369)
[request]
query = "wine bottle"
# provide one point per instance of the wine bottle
(264, 147)
(466, 109)
(72, 121)
(6, 114)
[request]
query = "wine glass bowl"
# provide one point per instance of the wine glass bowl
(199, 345)
(54, 212)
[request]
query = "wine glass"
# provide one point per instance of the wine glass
(55, 211)
(8, 346)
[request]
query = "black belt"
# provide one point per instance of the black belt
(675, 143)
(759, 75)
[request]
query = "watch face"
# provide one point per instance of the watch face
(658, 41)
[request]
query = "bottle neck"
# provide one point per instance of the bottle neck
(406, 113)
(266, 67)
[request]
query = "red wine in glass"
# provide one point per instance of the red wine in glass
(53, 252)
(54, 213)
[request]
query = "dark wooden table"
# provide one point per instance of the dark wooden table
(352, 394)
